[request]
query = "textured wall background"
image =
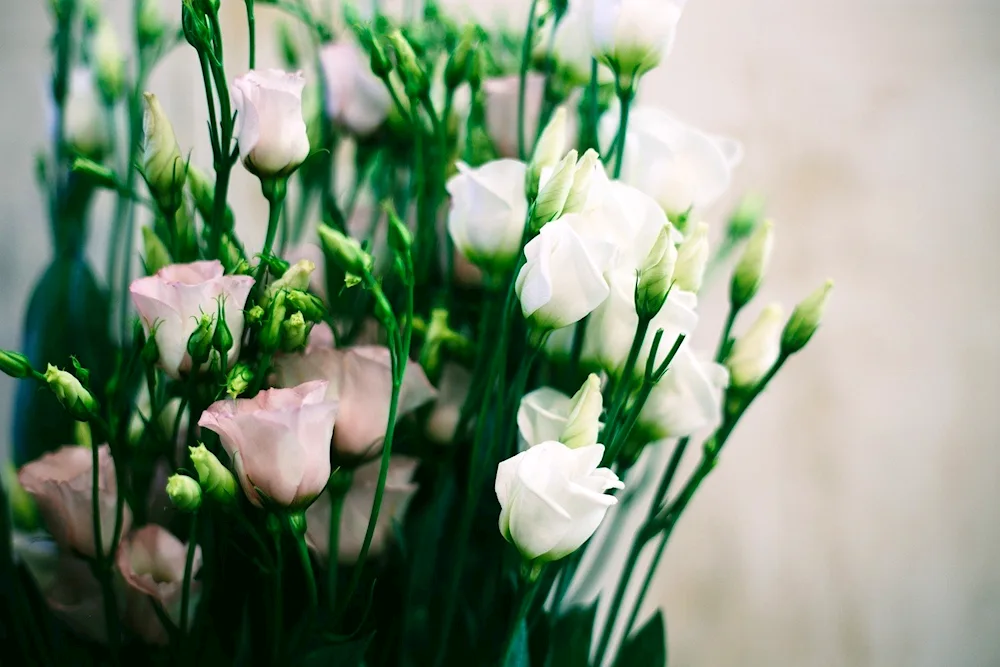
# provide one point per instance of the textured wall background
(854, 519)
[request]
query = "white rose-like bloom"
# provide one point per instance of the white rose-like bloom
(542, 416)
(562, 281)
(633, 36)
(356, 99)
(172, 301)
(688, 398)
(678, 165)
(552, 498)
(272, 133)
(488, 210)
(85, 122)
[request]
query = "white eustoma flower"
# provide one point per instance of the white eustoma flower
(552, 498)
(562, 280)
(171, 303)
(633, 36)
(571, 47)
(272, 133)
(755, 352)
(356, 99)
(678, 165)
(85, 123)
(542, 416)
(688, 398)
(488, 210)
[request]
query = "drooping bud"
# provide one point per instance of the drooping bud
(755, 352)
(750, 270)
(294, 334)
(805, 319)
(216, 479)
(15, 364)
(345, 251)
(548, 151)
(109, 61)
(162, 165)
(184, 493)
(552, 197)
(415, 81)
(154, 250)
(239, 379)
(582, 178)
(692, 258)
(655, 275)
(310, 305)
(583, 424)
(199, 345)
(79, 402)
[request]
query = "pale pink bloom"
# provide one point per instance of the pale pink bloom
(172, 302)
(360, 380)
(61, 482)
(356, 99)
(279, 441)
(357, 509)
(502, 95)
(272, 133)
(453, 388)
(151, 562)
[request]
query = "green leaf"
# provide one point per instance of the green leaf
(648, 647)
(571, 638)
(517, 656)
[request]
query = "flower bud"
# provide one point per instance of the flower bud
(655, 275)
(150, 349)
(552, 197)
(583, 423)
(805, 319)
(215, 478)
(109, 62)
(15, 364)
(400, 238)
(582, 178)
(294, 333)
(199, 345)
(750, 269)
(549, 149)
(255, 315)
(184, 493)
(345, 251)
(239, 379)
(162, 165)
(755, 352)
(310, 305)
(457, 69)
(414, 79)
(294, 277)
(195, 26)
(222, 340)
(86, 122)
(79, 403)
(151, 25)
(23, 510)
(82, 435)
(100, 174)
(270, 335)
(381, 65)
(155, 253)
(692, 258)
(745, 218)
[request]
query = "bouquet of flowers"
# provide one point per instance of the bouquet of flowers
(438, 417)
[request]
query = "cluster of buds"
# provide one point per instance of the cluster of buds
(288, 311)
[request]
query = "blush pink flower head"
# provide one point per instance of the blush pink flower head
(279, 441)
(172, 302)
(61, 483)
(271, 134)
(360, 380)
(151, 562)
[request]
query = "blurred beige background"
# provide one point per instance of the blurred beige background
(854, 520)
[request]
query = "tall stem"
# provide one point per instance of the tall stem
(625, 96)
(522, 84)
(338, 491)
(527, 596)
(274, 191)
(188, 566)
(616, 602)
(307, 569)
(723, 351)
(625, 381)
(252, 33)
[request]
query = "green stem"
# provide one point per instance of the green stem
(337, 496)
(188, 566)
(527, 596)
(593, 107)
(307, 569)
(579, 336)
(620, 395)
(277, 617)
(522, 85)
(274, 191)
(723, 351)
(252, 34)
(633, 558)
(625, 96)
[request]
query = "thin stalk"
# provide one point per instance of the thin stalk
(102, 561)
(274, 191)
(622, 390)
(307, 569)
(616, 602)
(527, 596)
(723, 350)
(252, 31)
(579, 336)
(625, 96)
(277, 617)
(522, 84)
(188, 566)
(337, 497)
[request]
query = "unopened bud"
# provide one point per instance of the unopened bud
(109, 61)
(400, 238)
(23, 510)
(199, 345)
(692, 258)
(15, 364)
(239, 379)
(270, 335)
(582, 178)
(255, 315)
(78, 402)
(345, 251)
(457, 69)
(294, 333)
(295, 277)
(750, 270)
(584, 423)
(100, 174)
(552, 197)
(151, 25)
(310, 305)
(549, 150)
(755, 352)
(184, 493)
(162, 165)
(155, 253)
(215, 478)
(745, 218)
(805, 319)
(195, 26)
(414, 79)
(655, 275)
(222, 340)
(150, 350)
